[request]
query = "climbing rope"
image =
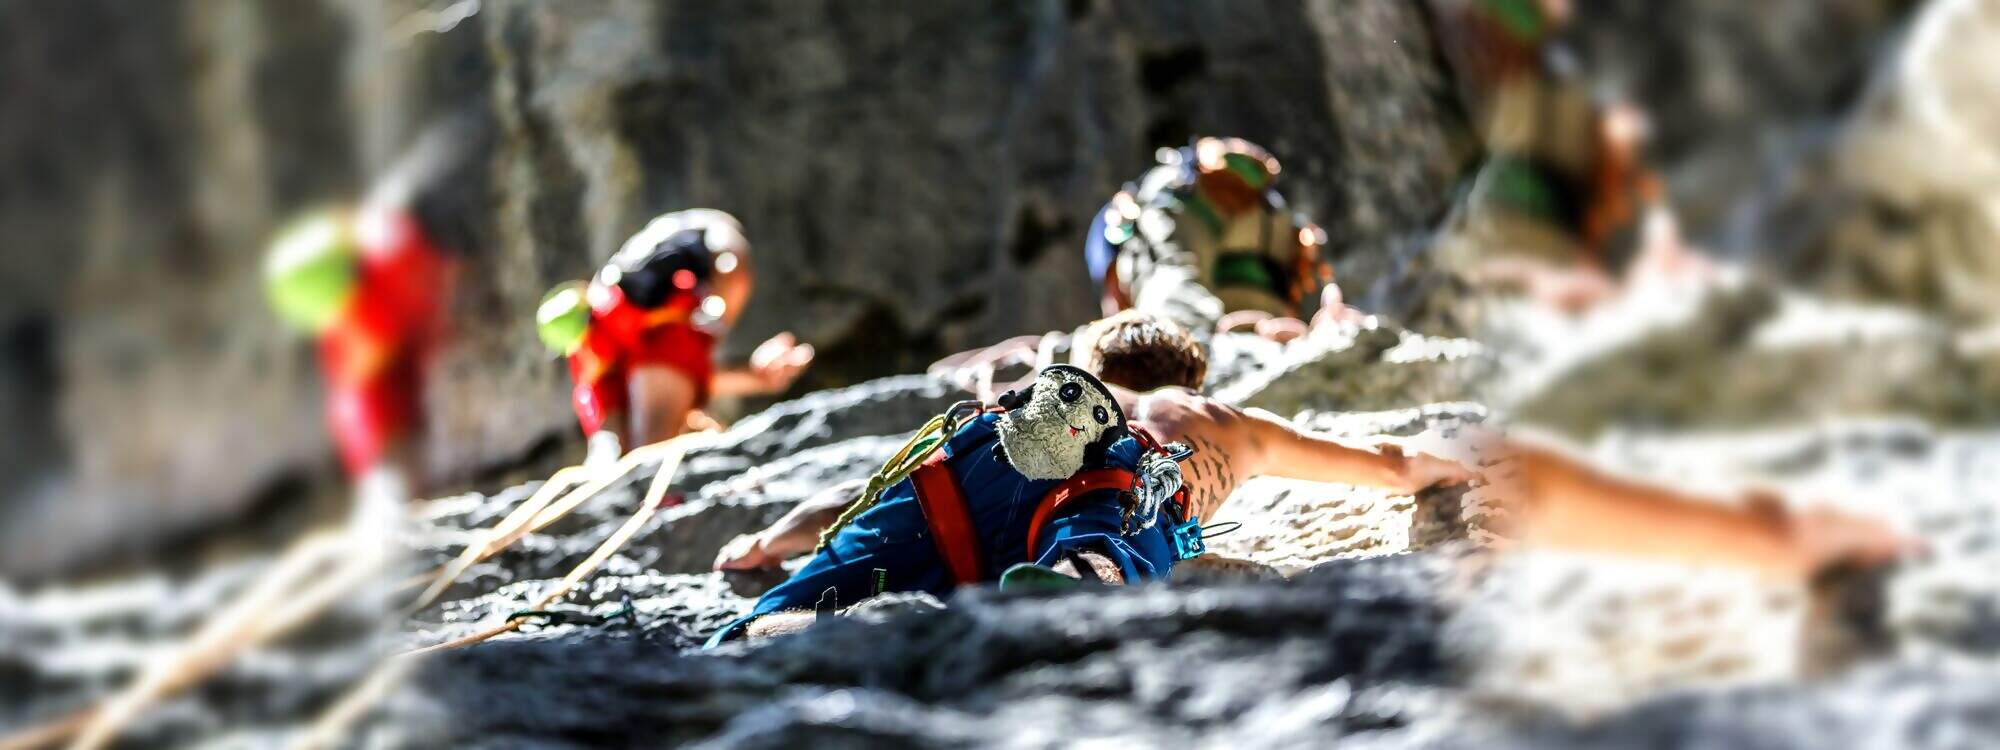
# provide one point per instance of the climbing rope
(670, 453)
(271, 607)
(445, 575)
(245, 622)
(927, 440)
(532, 515)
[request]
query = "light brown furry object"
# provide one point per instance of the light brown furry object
(1066, 410)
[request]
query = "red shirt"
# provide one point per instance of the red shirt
(373, 353)
(623, 335)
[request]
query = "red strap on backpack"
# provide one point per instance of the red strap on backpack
(1082, 484)
(944, 511)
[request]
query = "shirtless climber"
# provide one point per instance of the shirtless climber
(1564, 207)
(1151, 365)
(640, 336)
(1093, 536)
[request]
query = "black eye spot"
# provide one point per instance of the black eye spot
(1100, 415)
(1070, 392)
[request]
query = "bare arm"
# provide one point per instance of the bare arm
(1560, 502)
(796, 533)
(772, 368)
(1281, 450)
(1107, 571)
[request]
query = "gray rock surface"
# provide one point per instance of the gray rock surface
(1738, 354)
(1413, 644)
(908, 178)
(908, 175)
(1340, 651)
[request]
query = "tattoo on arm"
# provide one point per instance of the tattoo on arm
(1209, 468)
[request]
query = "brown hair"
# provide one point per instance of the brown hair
(1143, 352)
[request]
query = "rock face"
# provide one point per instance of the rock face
(1414, 644)
(915, 180)
(1732, 92)
(1742, 355)
(1339, 652)
(910, 179)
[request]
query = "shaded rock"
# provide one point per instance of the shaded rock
(989, 670)
(1733, 92)
(887, 406)
(1908, 706)
(1896, 201)
(1750, 355)
(1369, 367)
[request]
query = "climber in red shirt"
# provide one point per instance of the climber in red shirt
(372, 285)
(640, 336)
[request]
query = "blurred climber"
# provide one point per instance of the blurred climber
(1149, 368)
(370, 284)
(1564, 206)
(1203, 234)
(1203, 239)
(640, 336)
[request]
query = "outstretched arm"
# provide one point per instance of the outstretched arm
(794, 534)
(1286, 451)
(1557, 501)
(773, 367)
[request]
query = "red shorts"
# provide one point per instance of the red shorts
(597, 395)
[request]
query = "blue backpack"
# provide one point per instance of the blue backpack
(956, 513)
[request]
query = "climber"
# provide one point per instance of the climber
(1202, 238)
(1152, 366)
(1054, 477)
(1205, 233)
(640, 335)
(1564, 206)
(371, 285)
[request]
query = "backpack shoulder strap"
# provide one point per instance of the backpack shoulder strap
(943, 504)
(1083, 483)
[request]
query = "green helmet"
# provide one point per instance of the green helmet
(563, 317)
(309, 274)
